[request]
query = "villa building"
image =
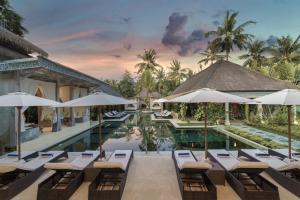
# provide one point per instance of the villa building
(39, 76)
(232, 78)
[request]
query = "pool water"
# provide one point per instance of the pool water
(139, 133)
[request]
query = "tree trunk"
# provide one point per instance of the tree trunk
(227, 55)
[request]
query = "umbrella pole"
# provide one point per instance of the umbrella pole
(205, 128)
(100, 130)
(289, 130)
(19, 133)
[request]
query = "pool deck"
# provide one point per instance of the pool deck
(151, 176)
(50, 139)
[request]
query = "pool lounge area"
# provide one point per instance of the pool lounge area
(160, 131)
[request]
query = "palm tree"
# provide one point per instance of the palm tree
(148, 61)
(254, 57)
(11, 20)
(189, 73)
(177, 74)
(285, 50)
(146, 68)
(285, 55)
(229, 34)
(160, 80)
(212, 53)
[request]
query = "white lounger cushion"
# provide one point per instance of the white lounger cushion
(228, 162)
(290, 166)
(108, 165)
(14, 158)
(196, 165)
(123, 161)
(285, 152)
(8, 167)
(180, 160)
(79, 163)
(273, 162)
(250, 165)
(39, 161)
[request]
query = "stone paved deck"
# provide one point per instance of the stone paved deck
(50, 139)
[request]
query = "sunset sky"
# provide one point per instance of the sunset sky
(102, 38)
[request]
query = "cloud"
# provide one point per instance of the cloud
(174, 34)
(192, 42)
(73, 36)
(271, 40)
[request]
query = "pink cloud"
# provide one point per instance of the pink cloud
(72, 36)
(99, 58)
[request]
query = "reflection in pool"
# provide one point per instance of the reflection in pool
(141, 134)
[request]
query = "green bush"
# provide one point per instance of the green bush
(279, 116)
(215, 112)
(182, 112)
(255, 138)
(199, 113)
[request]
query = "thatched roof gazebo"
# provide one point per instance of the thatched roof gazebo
(229, 77)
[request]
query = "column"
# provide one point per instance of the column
(72, 114)
(247, 112)
(57, 125)
(294, 115)
(227, 119)
(260, 112)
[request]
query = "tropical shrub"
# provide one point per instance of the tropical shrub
(182, 112)
(279, 116)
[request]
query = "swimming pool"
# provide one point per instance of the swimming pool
(139, 133)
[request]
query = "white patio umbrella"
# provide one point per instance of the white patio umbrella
(206, 95)
(19, 100)
(97, 99)
(161, 100)
(287, 97)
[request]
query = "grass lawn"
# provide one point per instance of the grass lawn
(255, 138)
(280, 130)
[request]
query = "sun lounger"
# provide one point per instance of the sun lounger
(111, 115)
(23, 174)
(13, 156)
(110, 182)
(192, 178)
(67, 178)
(284, 153)
(286, 174)
(244, 176)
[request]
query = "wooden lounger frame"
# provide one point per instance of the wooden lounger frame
(195, 178)
(290, 180)
(61, 185)
(18, 180)
(249, 185)
(109, 183)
